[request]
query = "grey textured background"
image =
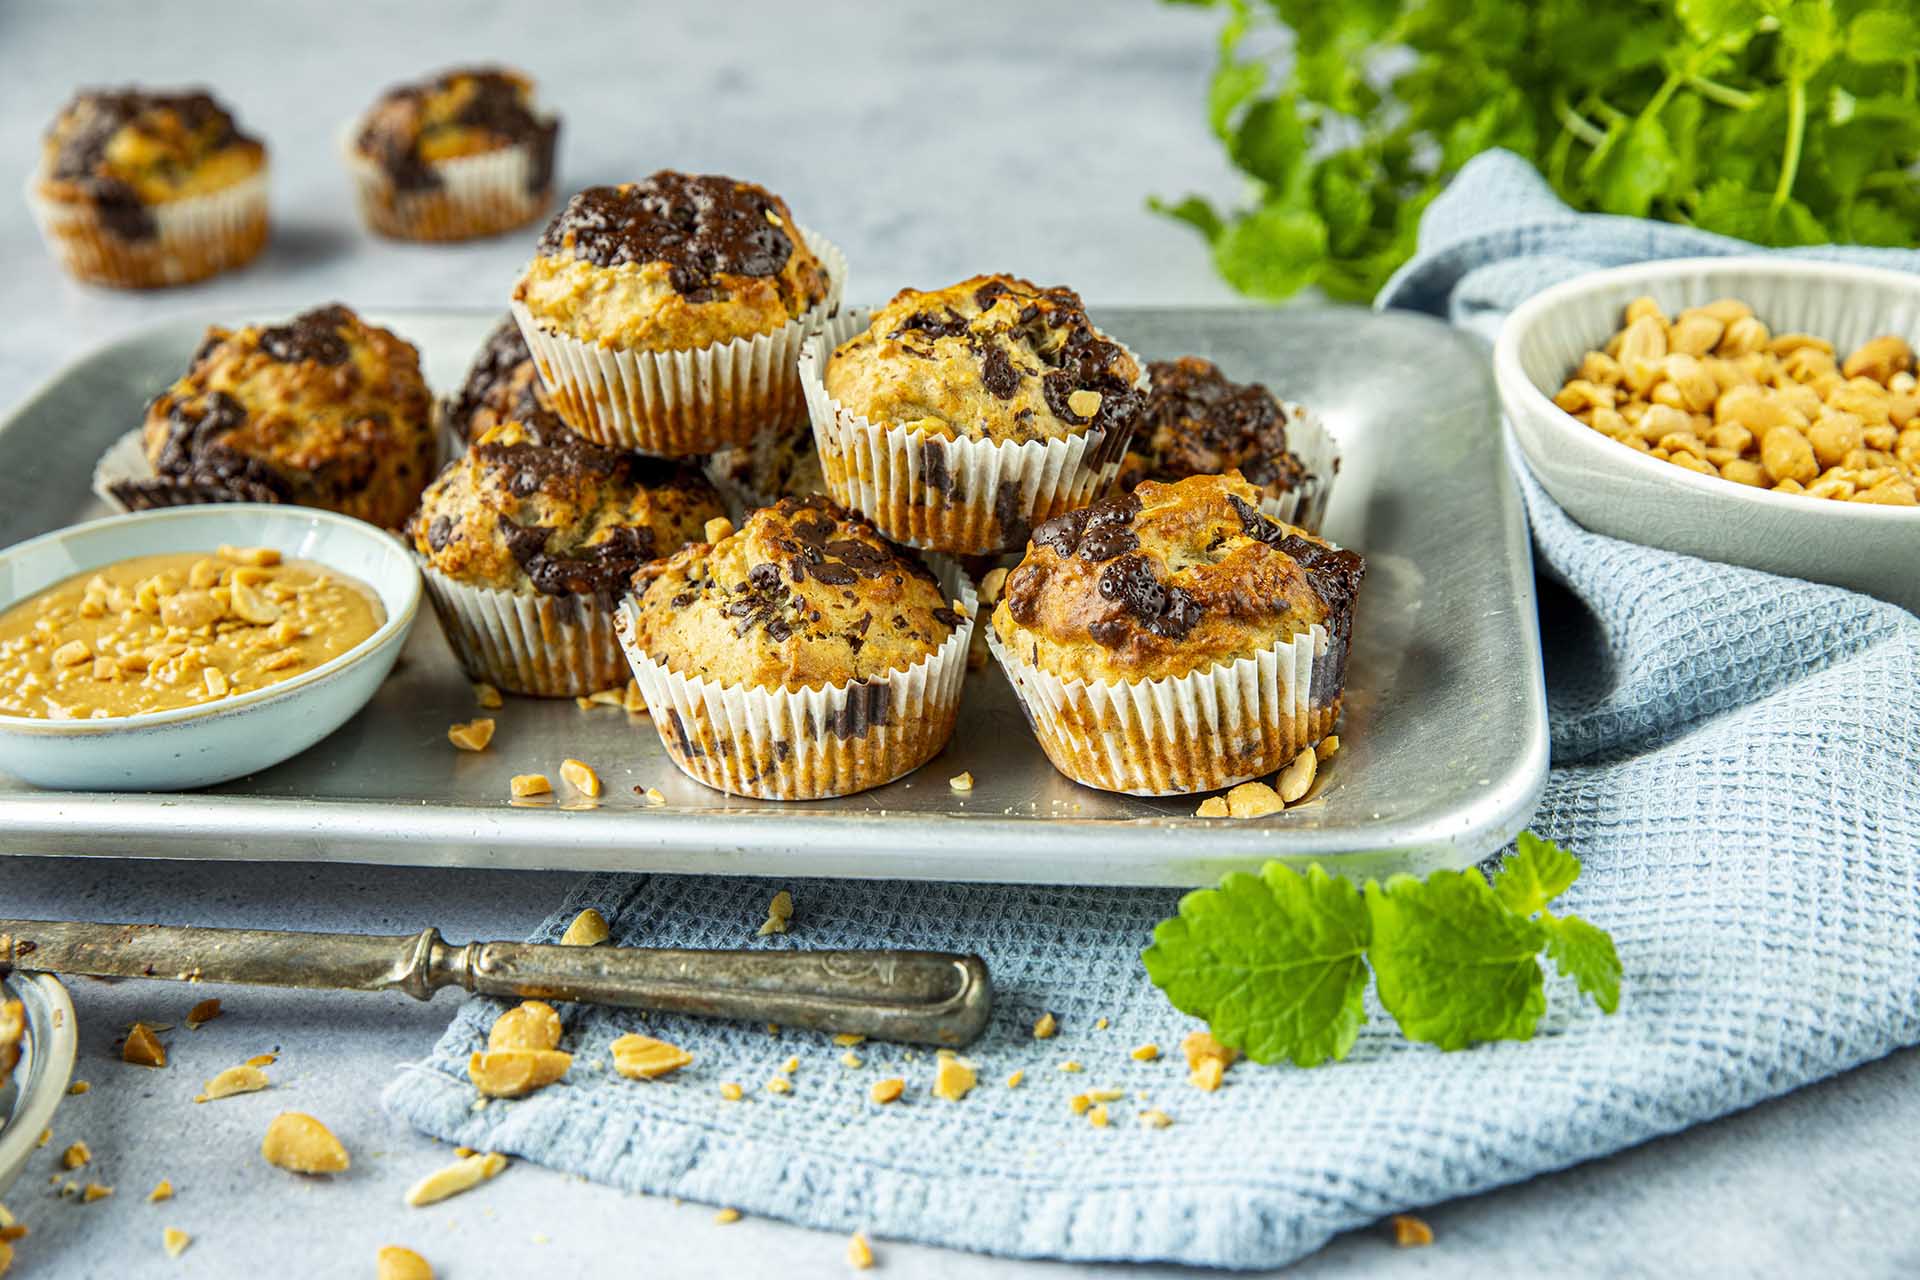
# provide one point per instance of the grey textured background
(930, 140)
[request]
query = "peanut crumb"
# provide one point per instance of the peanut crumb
(1155, 1119)
(726, 1216)
(530, 784)
(488, 697)
(632, 700)
(654, 798)
(581, 777)
(961, 781)
(614, 697)
(531, 1024)
(1070, 1066)
(1045, 1027)
(395, 1262)
(1200, 1045)
(174, 1241)
(78, 1087)
(1410, 1232)
(263, 1059)
(232, 1081)
(583, 702)
(779, 913)
(793, 1065)
(201, 1014)
(589, 929)
(1097, 1117)
(462, 1175)
(76, 1156)
(953, 1078)
(1079, 1103)
(1328, 747)
(1213, 807)
(515, 1073)
(1013, 1081)
(94, 1192)
(888, 1090)
(718, 528)
(162, 1190)
(731, 1091)
(1145, 1052)
(859, 1252)
(1294, 781)
(1099, 1024)
(141, 1049)
(773, 1029)
(850, 1060)
(848, 1039)
(1254, 800)
(779, 1084)
(1206, 1076)
(640, 1057)
(301, 1144)
(471, 735)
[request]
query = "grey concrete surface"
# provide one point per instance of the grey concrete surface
(931, 141)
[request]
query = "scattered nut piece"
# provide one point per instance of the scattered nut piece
(953, 1077)
(201, 1014)
(257, 557)
(961, 781)
(488, 697)
(1213, 807)
(848, 1039)
(859, 1252)
(1155, 1119)
(532, 1024)
(850, 1060)
(1410, 1232)
(299, 1143)
(725, 1216)
(174, 1241)
(471, 735)
(461, 1175)
(589, 929)
(1296, 778)
(1145, 1052)
(1045, 1027)
(992, 585)
(1071, 1067)
(396, 1263)
(530, 784)
(731, 1091)
(581, 777)
(77, 1088)
(718, 528)
(162, 1190)
(1206, 1077)
(141, 1049)
(234, 1080)
(76, 1156)
(263, 1059)
(515, 1073)
(1200, 1045)
(654, 798)
(888, 1090)
(639, 1057)
(779, 912)
(1328, 747)
(1100, 1024)
(779, 1084)
(1253, 800)
(1097, 1117)
(1013, 1081)
(792, 1065)
(1084, 403)
(95, 1191)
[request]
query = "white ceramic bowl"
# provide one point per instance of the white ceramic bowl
(27, 1103)
(201, 745)
(1620, 492)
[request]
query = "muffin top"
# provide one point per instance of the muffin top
(533, 507)
(672, 263)
(325, 410)
(127, 149)
(1170, 579)
(806, 594)
(778, 464)
(991, 358)
(501, 384)
(463, 112)
(1198, 422)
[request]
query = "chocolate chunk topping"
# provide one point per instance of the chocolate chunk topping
(1062, 533)
(439, 533)
(947, 617)
(1202, 423)
(398, 124)
(312, 337)
(1332, 572)
(552, 451)
(1168, 612)
(949, 325)
(196, 463)
(1104, 527)
(702, 226)
(504, 351)
(997, 373)
(601, 570)
(92, 120)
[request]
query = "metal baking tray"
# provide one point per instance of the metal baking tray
(1444, 744)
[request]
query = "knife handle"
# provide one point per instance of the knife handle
(921, 997)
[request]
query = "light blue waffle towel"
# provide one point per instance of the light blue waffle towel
(1736, 759)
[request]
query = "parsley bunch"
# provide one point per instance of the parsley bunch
(1277, 963)
(1778, 121)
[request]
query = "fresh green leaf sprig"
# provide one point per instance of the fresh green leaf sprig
(1783, 122)
(1277, 963)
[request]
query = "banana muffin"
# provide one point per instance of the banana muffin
(1242, 625)
(963, 416)
(529, 540)
(500, 386)
(666, 313)
(461, 155)
(323, 411)
(1199, 422)
(142, 189)
(802, 656)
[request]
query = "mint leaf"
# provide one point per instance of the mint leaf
(1276, 963)
(1195, 212)
(1883, 35)
(1636, 171)
(1534, 874)
(1233, 83)
(1453, 964)
(1272, 252)
(1270, 141)
(1720, 22)
(1585, 954)
(1733, 210)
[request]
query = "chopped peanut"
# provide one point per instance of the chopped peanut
(1155, 1119)
(488, 697)
(581, 777)
(1013, 1081)
(961, 782)
(396, 1263)
(301, 1144)
(201, 1014)
(779, 912)
(174, 1241)
(726, 1216)
(888, 1090)
(532, 1024)
(859, 1252)
(589, 929)
(1045, 1027)
(162, 1190)
(141, 1049)
(1145, 1052)
(514, 1073)
(1410, 1232)
(640, 1057)
(953, 1077)
(732, 1092)
(76, 1156)
(1255, 799)
(462, 1175)
(471, 735)
(234, 1080)
(530, 784)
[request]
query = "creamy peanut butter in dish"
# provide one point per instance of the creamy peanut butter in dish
(165, 632)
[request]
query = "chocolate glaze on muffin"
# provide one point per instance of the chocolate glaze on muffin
(1170, 579)
(502, 385)
(324, 411)
(1198, 422)
(466, 111)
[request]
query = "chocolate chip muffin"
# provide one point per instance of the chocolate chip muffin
(463, 154)
(323, 411)
(1199, 422)
(666, 314)
(530, 538)
(145, 188)
(501, 385)
(803, 656)
(778, 464)
(1241, 624)
(962, 416)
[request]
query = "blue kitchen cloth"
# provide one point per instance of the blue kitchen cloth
(1736, 759)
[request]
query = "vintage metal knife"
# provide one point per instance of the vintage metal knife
(922, 997)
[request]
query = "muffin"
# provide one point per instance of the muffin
(666, 315)
(1174, 639)
(530, 538)
(323, 411)
(1199, 422)
(961, 417)
(801, 657)
(778, 464)
(141, 189)
(462, 155)
(501, 385)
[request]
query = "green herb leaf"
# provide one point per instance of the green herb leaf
(1270, 142)
(1719, 22)
(1195, 212)
(1534, 874)
(1882, 36)
(1275, 963)
(1273, 252)
(1233, 83)
(1636, 172)
(1585, 954)
(1733, 210)
(1453, 964)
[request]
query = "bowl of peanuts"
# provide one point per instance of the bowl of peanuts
(1757, 411)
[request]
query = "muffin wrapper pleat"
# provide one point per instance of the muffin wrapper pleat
(545, 646)
(194, 238)
(1197, 732)
(478, 195)
(808, 744)
(674, 404)
(1309, 440)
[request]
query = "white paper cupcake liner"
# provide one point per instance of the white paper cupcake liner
(960, 496)
(674, 404)
(542, 645)
(194, 238)
(1198, 732)
(1308, 440)
(809, 744)
(479, 195)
